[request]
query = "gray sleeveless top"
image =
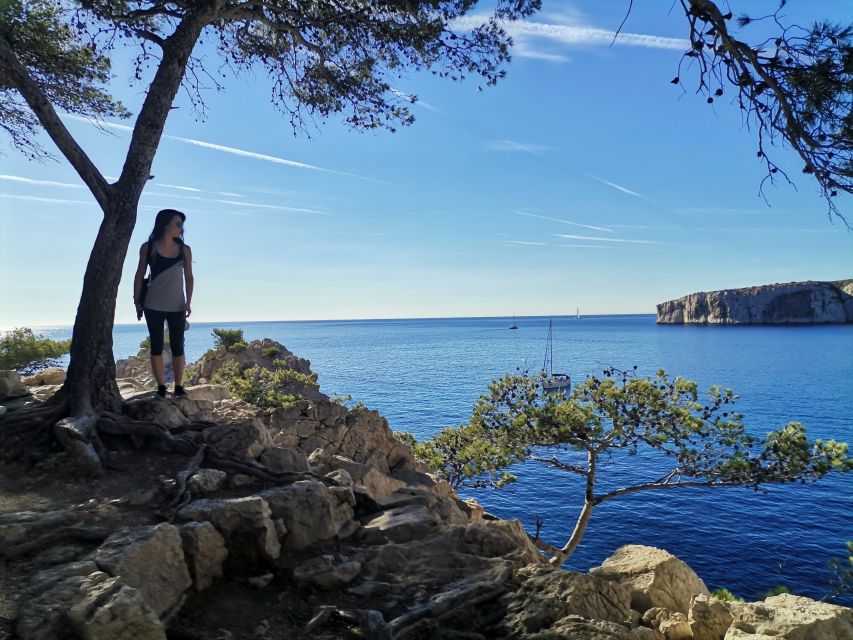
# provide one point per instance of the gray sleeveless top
(166, 288)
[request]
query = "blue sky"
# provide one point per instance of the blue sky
(584, 179)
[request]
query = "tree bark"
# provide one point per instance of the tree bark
(583, 520)
(90, 384)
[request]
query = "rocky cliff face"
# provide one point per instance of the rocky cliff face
(791, 303)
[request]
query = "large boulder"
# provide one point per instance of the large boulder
(11, 385)
(672, 625)
(654, 577)
(709, 618)
(311, 512)
(171, 413)
(204, 549)
(51, 375)
(245, 440)
(77, 600)
(378, 485)
(246, 524)
(790, 617)
(545, 595)
(323, 574)
(282, 460)
(150, 559)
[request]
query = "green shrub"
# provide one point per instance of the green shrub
(23, 350)
(227, 337)
(237, 346)
(270, 352)
(775, 591)
(725, 595)
(406, 438)
(262, 387)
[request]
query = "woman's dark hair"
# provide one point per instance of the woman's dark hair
(163, 220)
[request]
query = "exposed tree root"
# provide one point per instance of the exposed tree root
(74, 533)
(447, 603)
(181, 496)
(77, 436)
(216, 460)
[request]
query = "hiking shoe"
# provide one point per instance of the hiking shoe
(161, 391)
(179, 392)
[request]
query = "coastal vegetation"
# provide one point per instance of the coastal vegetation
(24, 351)
(228, 338)
(265, 388)
(698, 443)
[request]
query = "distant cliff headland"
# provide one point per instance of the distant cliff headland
(809, 302)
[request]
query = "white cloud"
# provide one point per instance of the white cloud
(512, 145)
(574, 237)
(583, 246)
(526, 242)
(195, 190)
(574, 224)
(529, 35)
(232, 150)
(39, 199)
(623, 189)
(42, 183)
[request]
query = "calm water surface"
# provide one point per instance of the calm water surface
(423, 375)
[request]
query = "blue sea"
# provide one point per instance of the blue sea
(423, 375)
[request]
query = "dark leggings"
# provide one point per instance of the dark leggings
(177, 321)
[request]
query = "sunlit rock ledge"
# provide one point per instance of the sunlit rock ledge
(810, 302)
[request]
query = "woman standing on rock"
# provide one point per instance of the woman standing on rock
(163, 299)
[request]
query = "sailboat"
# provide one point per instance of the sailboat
(513, 325)
(577, 313)
(553, 381)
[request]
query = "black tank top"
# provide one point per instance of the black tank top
(159, 263)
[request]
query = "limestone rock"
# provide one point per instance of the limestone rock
(11, 385)
(51, 375)
(790, 617)
(150, 559)
(245, 440)
(709, 618)
(204, 549)
(545, 595)
(131, 388)
(311, 511)
(210, 392)
(112, 612)
(324, 575)
(376, 484)
(245, 523)
(574, 627)
(472, 509)
(282, 460)
(79, 600)
(205, 482)
(654, 577)
(45, 392)
(794, 302)
(672, 625)
(399, 524)
(150, 409)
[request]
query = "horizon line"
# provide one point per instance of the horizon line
(206, 322)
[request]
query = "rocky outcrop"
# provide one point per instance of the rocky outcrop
(11, 385)
(792, 303)
(653, 577)
(790, 617)
(323, 508)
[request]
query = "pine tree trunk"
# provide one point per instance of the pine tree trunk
(583, 519)
(90, 384)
